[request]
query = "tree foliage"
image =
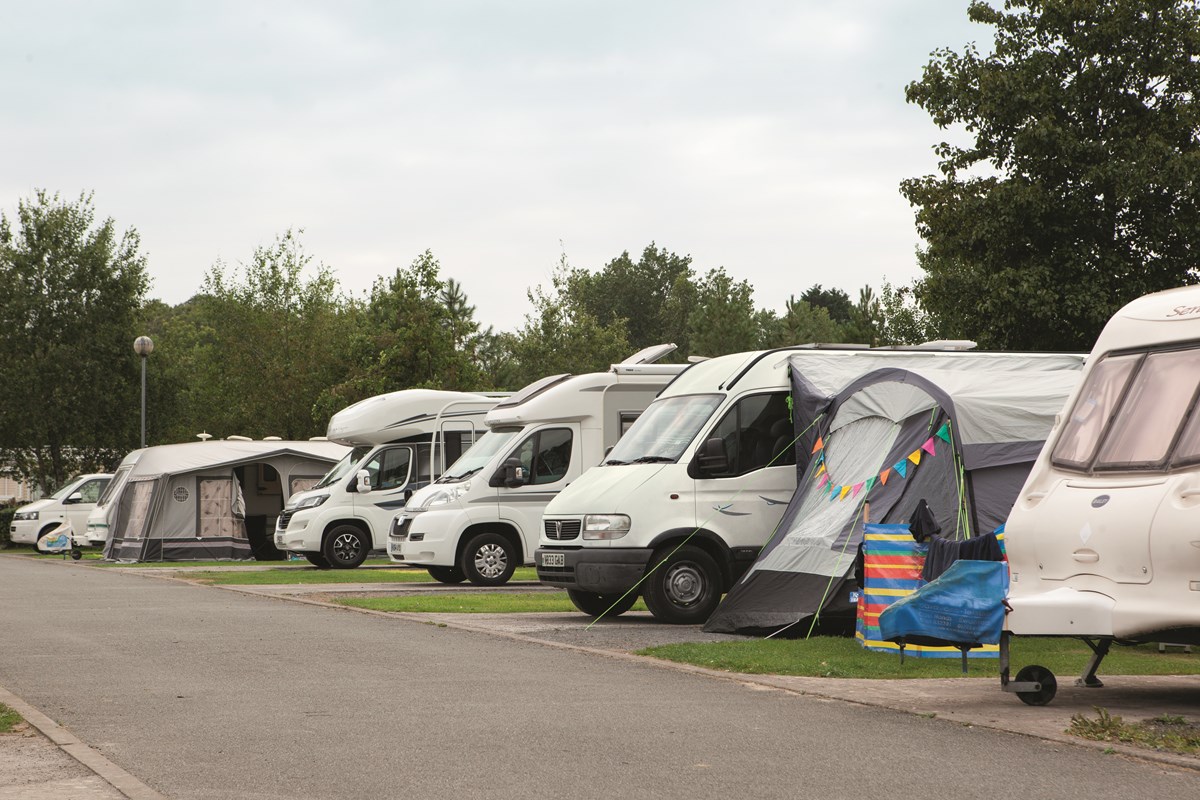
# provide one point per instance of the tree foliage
(1079, 189)
(71, 290)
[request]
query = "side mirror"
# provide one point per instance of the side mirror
(512, 474)
(73, 497)
(363, 484)
(711, 458)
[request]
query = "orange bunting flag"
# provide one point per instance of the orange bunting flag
(915, 456)
(928, 447)
(820, 443)
(883, 476)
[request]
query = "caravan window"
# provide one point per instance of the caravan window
(1129, 413)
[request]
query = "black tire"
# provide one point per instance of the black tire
(447, 574)
(489, 559)
(1040, 675)
(685, 588)
(76, 554)
(346, 547)
(317, 560)
(602, 605)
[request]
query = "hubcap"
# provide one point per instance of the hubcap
(491, 561)
(346, 547)
(684, 584)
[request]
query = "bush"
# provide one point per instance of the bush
(6, 515)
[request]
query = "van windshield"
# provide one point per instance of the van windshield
(343, 467)
(665, 430)
(1135, 412)
(478, 456)
(67, 488)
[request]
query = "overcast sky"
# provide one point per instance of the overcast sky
(766, 137)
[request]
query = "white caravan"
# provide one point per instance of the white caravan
(101, 518)
(701, 481)
(1103, 543)
(401, 441)
(71, 505)
(483, 517)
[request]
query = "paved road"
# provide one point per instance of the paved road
(207, 693)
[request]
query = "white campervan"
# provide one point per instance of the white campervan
(1103, 542)
(401, 441)
(700, 482)
(71, 504)
(483, 516)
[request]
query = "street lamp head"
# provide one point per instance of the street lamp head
(143, 346)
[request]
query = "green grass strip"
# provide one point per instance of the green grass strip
(1167, 733)
(475, 603)
(8, 719)
(836, 657)
(312, 575)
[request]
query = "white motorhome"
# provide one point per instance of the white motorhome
(1103, 543)
(71, 504)
(401, 441)
(95, 534)
(683, 504)
(483, 516)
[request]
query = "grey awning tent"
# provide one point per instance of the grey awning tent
(961, 435)
(197, 500)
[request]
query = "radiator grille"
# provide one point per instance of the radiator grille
(562, 530)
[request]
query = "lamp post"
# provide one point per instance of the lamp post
(143, 346)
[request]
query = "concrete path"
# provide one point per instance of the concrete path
(208, 693)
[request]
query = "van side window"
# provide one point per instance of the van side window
(546, 455)
(90, 491)
(389, 468)
(757, 433)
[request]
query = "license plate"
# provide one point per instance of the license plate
(393, 547)
(279, 541)
(554, 560)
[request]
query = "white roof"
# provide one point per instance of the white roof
(170, 459)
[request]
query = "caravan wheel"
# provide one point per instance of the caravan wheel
(683, 589)
(317, 560)
(489, 560)
(346, 547)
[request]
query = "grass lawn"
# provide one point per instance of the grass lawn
(314, 575)
(8, 718)
(1168, 733)
(480, 603)
(835, 657)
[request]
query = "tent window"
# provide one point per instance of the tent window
(546, 455)
(389, 468)
(757, 433)
(139, 509)
(215, 508)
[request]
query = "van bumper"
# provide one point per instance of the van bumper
(601, 570)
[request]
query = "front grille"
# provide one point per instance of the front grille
(284, 519)
(558, 574)
(562, 530)
(400, 528)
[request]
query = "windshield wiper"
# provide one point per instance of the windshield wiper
(453, 478)
(652, 460)
(615, 462)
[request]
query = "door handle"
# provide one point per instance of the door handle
(1086, 556)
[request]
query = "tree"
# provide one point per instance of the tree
(834, 301)
(270, 338)
(1081, 188)
(71, 293)
(724, 319)
(902, 320)
(801, 323)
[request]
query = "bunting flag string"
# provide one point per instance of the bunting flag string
(840, 491)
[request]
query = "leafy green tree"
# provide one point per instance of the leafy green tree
(71, 292)
(866, 319)
(902, 320)
(724, 319)
(800, 323)
(1080, 189)
(270, 338)
(561, 336)
(835, 302)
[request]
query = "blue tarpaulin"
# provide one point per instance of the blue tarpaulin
(963, 606)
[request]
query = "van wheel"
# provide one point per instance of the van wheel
(489, 560)
(447, 574)
(685, 588)
(602, 605)
(346, 547)
(317, 560)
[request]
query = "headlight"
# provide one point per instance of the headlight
(312, 502)
(25, 515)
(605, 526)
(446, 494)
